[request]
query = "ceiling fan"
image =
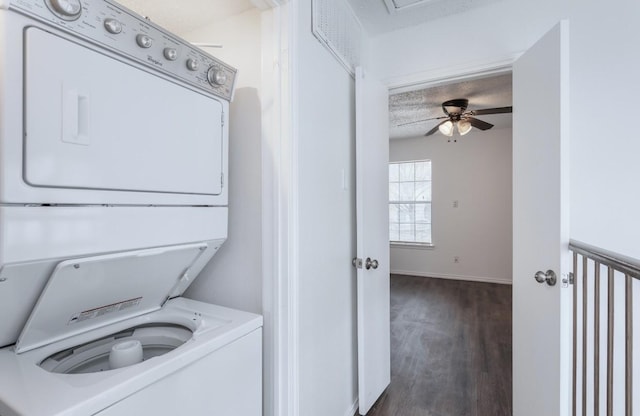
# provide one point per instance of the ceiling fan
(457, 117)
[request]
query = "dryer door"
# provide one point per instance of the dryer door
(93, 122)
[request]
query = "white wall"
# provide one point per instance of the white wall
(496, 31)
(604, 61)
(476, 172)
(233, 278)
(324, 102)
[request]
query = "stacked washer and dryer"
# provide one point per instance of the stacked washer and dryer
(113, 198)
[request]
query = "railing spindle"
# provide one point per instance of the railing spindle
(575, 332)
(585, 269)
(628, 350)
(610, 293)
(596, 341)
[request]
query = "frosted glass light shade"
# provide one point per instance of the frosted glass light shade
(446, 128)
(464, 127)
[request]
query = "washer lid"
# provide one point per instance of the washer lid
(83, 294)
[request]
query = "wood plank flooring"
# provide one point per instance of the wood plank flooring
(450, 349)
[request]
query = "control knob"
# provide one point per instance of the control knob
(112, 26)
(171, 54)
(65, 9)
(192, 64)
(216, 76)
(144, 41)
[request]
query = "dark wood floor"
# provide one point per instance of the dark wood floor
(450, 349)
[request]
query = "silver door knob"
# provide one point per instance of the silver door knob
(549, 277)
(370, 264)
(357, 263)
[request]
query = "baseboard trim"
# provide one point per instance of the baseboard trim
(354, 409)
(482, 279)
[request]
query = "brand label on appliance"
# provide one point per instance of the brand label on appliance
(104, 310)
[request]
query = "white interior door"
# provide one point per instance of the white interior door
(372, 201)
(541, 335)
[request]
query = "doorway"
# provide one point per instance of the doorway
(540, 225)
(450, 293)
(450, 197)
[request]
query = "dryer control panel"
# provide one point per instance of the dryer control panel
(120, 30)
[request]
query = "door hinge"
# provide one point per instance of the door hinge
(569, 280)
(222, 180)
(222, 119)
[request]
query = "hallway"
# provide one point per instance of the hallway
(450, 349)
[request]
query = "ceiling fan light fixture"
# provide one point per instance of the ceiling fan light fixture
(458, 118)
(464, 127)
(446, 128)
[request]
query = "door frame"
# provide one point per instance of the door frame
(447, 75)
(279, 208)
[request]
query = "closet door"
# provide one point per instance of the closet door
(372, 223)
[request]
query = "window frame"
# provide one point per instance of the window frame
(404, 243)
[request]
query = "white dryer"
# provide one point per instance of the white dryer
(113, 162)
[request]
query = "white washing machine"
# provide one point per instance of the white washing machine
(113, 162)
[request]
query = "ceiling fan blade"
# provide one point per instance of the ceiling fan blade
(479, 124)
(421, 121)
(497, 110)
(435, 129)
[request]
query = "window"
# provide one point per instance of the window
(410, 202)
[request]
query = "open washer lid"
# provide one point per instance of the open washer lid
(91, 292)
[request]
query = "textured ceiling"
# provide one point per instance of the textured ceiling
(376, 19)
(187, 15)
(184, 16)
(427, 103)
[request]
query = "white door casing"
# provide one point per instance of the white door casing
(541, 331)
(372, 219)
